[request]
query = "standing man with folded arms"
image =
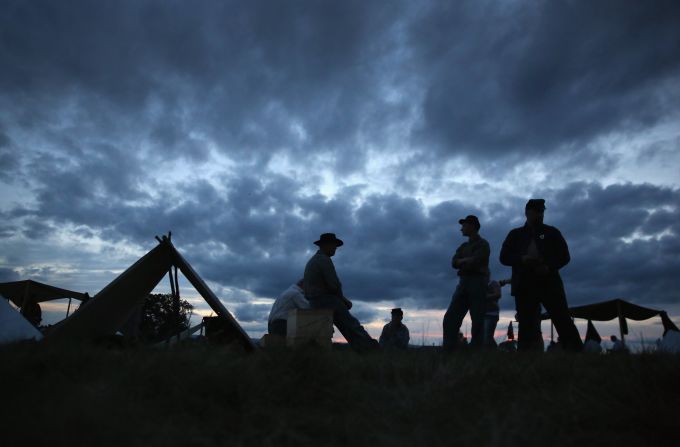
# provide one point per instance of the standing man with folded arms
(536, 252)
(471, 260)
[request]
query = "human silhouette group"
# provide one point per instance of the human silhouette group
(535, 251)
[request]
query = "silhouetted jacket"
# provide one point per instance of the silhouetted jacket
(551, 247)
(394, 336)
(320, 277)
(478, 249)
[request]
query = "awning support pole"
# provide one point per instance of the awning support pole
(176, 303)
(618, 310)
(24, 302)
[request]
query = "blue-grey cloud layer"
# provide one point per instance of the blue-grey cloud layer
(99, 100)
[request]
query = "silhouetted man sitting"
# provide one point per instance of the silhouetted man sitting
(323, 290)
(617, 345)
(395, 333)
(536, 252)
(292, 298)
(472, 262)
(33, 313)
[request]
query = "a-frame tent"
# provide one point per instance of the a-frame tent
(592, 334)
(109, 309)
(13, 326)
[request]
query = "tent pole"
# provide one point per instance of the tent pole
(68, 309)
(172, 282)
(172, 292)
(24, 303)
(618, 310)
(176, 301)
(176, 283)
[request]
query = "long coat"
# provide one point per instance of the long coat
(552, 248)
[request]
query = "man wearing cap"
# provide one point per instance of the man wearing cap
(471, 260)
(323, 290)
(536, 252)
(395, 333)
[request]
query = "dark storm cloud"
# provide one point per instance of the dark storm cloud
(159, 81)
(257, 234)
(396, 249)
(364, 312)
(9, 161)
(8, 275)
(238, 73)
(103, 103)
(252, 312)
(526, 77)
(599, 220)
(4, 140)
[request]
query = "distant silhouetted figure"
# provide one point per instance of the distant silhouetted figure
(592, 347)
(323, 290)
(509, 345)
(32, 312)
(536, 252)
(554, 346)
(395, 333)
(292, 298)
(493, 294)
(617, 345)
(472, 262)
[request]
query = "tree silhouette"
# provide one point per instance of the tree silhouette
(158, 317)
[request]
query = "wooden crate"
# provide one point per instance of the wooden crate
(297, 342)
(307, 326)
(272, 341)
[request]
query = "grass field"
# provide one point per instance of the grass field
(206, 395)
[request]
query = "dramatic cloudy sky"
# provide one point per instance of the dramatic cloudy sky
(249, 128)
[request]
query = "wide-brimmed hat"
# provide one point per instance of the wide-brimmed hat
(535, 204)
(471, 220)
(329, 237)
(398, 311)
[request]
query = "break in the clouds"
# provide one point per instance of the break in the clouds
(249, 128)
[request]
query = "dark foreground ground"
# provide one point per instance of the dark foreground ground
(201, 395)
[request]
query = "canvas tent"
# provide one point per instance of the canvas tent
(13, 326)
(592, 334)
(621, 309)
(27, 294)
(593, 340)
(111, 308)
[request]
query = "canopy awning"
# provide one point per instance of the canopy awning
(609, 310)
(36, 292)
(621, 309)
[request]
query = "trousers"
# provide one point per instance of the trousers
(278, 327)
(549, 293)
(470, 295)
(349, 327)
(490, 323)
